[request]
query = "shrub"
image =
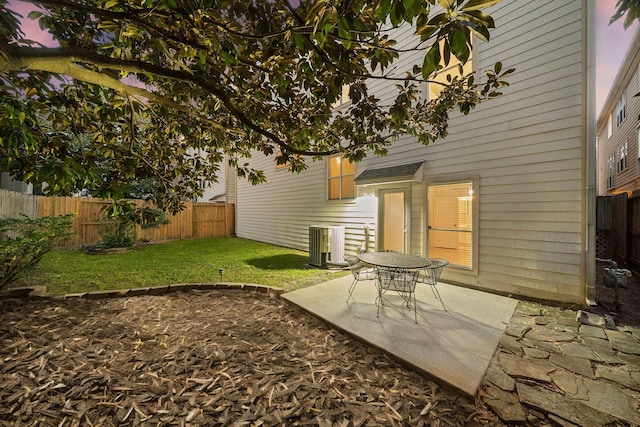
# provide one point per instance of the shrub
(24, 241)
(120, 218)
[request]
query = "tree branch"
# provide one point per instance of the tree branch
(63, 61)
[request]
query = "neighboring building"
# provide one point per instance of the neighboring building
(223, 191)
(618, 129)
(508, 197)
(8, 183)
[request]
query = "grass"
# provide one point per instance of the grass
(182, 261)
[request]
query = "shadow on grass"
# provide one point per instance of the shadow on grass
(281, 262)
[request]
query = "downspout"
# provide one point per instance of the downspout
(588, 269)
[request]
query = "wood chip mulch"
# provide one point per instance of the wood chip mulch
(200, 358)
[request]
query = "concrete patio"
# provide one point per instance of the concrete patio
(454, 347)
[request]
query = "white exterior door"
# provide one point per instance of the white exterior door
(392, 217)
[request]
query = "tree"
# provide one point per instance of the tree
(165, 88)
(630, 9)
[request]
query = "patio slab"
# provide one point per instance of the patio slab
(454, 347)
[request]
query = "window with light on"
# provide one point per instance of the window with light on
(341, 176)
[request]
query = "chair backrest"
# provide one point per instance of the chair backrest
(354, 264)
(436, 267)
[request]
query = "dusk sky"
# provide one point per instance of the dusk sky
(612, 42)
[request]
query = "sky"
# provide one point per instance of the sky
(612, 42)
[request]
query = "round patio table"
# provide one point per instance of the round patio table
(394, 260)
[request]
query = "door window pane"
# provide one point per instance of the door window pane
(450, 231)
(393, 221)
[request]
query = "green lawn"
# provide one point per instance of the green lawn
(182, 261)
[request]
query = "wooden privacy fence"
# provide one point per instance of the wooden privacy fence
(197, 220)
(618, 218)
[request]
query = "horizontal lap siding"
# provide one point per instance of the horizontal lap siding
(281, 210)
(524, 149)
(531, 200)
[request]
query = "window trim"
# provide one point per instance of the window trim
(340, 177)
(622, 158)
(473, 61)
(343, 98)
(638, 141)
(621, 109)
(279, 167)
(611, 161)
(475, 221)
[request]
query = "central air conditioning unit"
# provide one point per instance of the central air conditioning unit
(326, 244)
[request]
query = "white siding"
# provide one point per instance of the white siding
(8, 183)
(627, 79)
(525, 150)
(224, 189)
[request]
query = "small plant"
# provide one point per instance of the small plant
(23, 242)
(120, 218)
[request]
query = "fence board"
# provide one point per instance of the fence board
(604, 213)
(201, 220)
(634, 234)
(620, 230)
(14, 204)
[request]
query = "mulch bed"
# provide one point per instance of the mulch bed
(204, 359)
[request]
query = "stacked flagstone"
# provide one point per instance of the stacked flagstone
(572, 368)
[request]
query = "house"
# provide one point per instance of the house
(223, 191)
(508, 197)
(8, 183)
(618, 129)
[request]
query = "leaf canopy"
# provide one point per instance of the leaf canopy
(166, 90)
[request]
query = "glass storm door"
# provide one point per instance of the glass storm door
(450, 227)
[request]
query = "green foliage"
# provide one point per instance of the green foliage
(630, 9)
(24, 241)
(161, 91)
(120, 218)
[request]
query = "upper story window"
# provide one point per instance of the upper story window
(610, 171)
(435, 84)
(341, 177)
(623, 157)
(621, 109)
(281, 165)
(343, 98)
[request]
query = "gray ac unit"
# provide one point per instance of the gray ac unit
(326, 244)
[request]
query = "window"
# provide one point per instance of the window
(609, 127)
(450, 226)
(623, 158)
(621, 109)
(610, 168)
(434, 87)
(280, 165)
(638, 141)
(343, 98)
(341, 175)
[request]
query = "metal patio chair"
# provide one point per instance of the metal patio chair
(359, 271)
(430, 276)
(400, 280)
